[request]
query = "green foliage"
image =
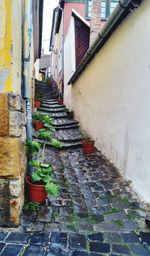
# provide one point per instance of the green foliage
(49, 127)
(32, 147)
(31, 206)
(118, 223)
(41, 100)
(52, 189)
(113, 210)
(37, 116)
(109, 198)
(124, 200)
(42, 175)
(48, 120)
(66, 110)
(45, 135)
(88, 138)
(48, 79)
(56, 143)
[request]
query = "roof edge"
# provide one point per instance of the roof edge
(123, 8)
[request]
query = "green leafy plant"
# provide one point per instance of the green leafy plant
(48, 79)
(42, 176)
(48, 120)
(66, 110)
(87, 138)
(56, 143)
(37, 116)
(32, 147)
(31, 206)
(45, 135)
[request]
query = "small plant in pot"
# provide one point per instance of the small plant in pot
(60, 100)
(40, 183)
(70, 114)
(88, 145)
(38, 102)
(37, 119)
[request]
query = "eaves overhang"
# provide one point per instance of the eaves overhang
(121, 11)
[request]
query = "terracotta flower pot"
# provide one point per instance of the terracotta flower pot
(38, 125)
(37, 193)
(88, 147)
(37, 104)
(61, 102)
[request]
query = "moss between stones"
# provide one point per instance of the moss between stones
(113, 210)
(118, 223)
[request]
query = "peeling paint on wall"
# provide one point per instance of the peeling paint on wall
(3, 77)
(5, 46)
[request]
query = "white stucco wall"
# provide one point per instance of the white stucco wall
(112, 99)
(69, 52)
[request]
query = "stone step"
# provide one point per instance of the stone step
(50, 101)
(54, 115)
(69, 136)
(52, 106)
(66, 127)
(51, 110)
(66, 145)
(65, 122)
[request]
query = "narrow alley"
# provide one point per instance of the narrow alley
(74, 128)
(96, 212)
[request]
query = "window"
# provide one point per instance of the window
(88, 8)
(107, 7)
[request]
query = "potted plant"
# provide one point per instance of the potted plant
(38, 102)
(37, 121)
(70, 114)
(88, 145)
(60, 100)
(40, 183)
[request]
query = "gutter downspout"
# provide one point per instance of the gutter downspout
(27, 31)
(123, 8)
(62, 49)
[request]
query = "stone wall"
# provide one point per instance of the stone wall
(12, 158)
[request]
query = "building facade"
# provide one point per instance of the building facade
(109, 92)
(20, 42)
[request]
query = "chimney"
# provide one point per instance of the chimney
(95, 23)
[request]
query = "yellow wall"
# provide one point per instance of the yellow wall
(111, 98)
(5, 45)
(10, 46)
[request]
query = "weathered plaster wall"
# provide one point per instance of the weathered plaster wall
(69, 52)
(5, 46)
(112, 99)
(10, 46)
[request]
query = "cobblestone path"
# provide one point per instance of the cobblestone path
(96, 214)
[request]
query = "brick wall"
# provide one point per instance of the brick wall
(95, 23)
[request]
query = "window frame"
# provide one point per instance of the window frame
(107, 10)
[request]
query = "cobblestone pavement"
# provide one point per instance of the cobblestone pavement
(96, 214)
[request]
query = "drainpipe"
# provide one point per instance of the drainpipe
(62, 48)
(26, 42)
(123, 8)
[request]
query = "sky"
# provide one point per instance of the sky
(49, 5)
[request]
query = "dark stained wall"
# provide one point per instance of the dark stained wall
(82, 36)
